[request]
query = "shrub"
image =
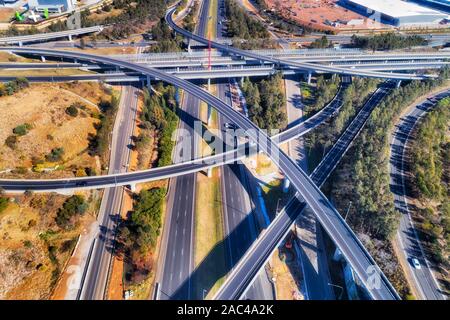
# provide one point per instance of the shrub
(11, 142)
(55, 155)
(3, 204)
(73, 206)
(22, 129)
(72, 111)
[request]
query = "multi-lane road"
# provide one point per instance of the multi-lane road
(424, 282)
(176, 263)
(260, 251)
(98, 266)
(327, 215)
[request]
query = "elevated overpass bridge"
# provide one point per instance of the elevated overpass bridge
(330, 219)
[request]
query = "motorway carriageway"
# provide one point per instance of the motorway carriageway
(241, 278)
(300, 65)
(327, 215)
(188, 166)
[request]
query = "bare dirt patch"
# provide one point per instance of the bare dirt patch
(315, 14)
(6, 14)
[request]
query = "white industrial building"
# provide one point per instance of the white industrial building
(53, 6)
(396, 12)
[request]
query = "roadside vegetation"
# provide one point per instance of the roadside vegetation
(138, 233)
(49, 129)
(247, 32)
(191, 18)
(430, 168)
(320, 140)
(387, 41)
(321, 43)
(266, 100)
(38, 234)
(167, 40)
(11, 87)
(159, 120)
(99, 143)
(315, 97)
(362, 179)
(134, 16)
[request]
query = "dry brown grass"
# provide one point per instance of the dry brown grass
(43, 72)
(26, 266)
(43, 107)
(287, 275)
(9, 57)
(105, 51)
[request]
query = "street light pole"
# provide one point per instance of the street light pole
(342, 289)
(348, 210)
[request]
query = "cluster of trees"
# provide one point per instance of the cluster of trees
(168, 41)
(354, 97)
(137, 235)
(98, 143)
(430, 148)
(13, 86)
(431, 175)
(72, 207)
(159, 115)
(189, 20)
(135, 13)
(367, 183)
(265, 101)
(387, 41)
(322, 43)
(359, 186)
(315, 98)
(242, 26)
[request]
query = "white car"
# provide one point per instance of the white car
(416, 263)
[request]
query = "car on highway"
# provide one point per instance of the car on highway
(228, 125)
(416, 264)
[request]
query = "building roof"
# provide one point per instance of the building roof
(398, 8)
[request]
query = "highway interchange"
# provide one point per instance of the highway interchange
(244, 271)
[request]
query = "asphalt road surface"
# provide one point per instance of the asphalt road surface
(424, 281)
(100, 261)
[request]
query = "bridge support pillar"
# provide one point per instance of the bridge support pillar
(209, 172)
(20, 43)
(286, 184)
(242, 81)
(149, 83)
(177, 96)
(399, 82)
(189, 47)
(309, 77)
(70, 38)
(42, 58)
(209, 111)
(209, 115)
